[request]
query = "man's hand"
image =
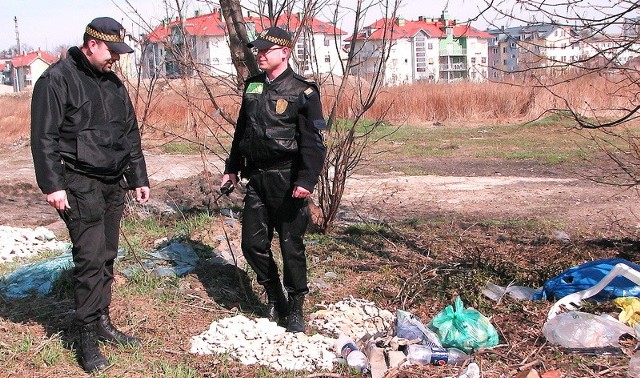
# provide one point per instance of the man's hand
(300, 192)
(58, 200)
(142, 194)
(229, 177)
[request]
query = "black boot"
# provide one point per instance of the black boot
(277, 305)
(108, 332)
(295, 322)
(91, 358)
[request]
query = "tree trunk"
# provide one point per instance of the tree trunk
(241, 56)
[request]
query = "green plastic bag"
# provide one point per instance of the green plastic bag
(463, 328)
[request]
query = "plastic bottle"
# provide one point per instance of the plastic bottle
(349, 351)
(424, 354)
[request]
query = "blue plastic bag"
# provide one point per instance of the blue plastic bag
(584, 276)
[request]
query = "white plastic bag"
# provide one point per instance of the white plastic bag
(576, 329)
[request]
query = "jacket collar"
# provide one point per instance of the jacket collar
(82, 62)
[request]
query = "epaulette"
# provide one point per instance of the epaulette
(312, 85)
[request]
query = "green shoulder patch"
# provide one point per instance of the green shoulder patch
(255, 88)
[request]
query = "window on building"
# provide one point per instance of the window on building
(430, 46)
(483, 60)
(473, 60)
(215, 61)
(504, 50)
(495, 50)
(327, 41)
(327, 58)
(513, 45)
(504, 62)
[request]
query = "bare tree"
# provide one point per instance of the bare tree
(582, 58)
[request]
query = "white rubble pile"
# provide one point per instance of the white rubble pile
(353, 317)
(262, 342)
(16, 242)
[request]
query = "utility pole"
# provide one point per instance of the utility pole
(15, 19)
(16, 78)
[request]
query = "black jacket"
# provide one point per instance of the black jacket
(280, 124)
(84, 120)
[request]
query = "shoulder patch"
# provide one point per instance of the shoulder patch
(308, 92)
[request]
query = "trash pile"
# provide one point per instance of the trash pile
(383, 341)
(262, 342)
(614, 279)
(18, 242)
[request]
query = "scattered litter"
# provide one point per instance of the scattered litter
(587, 275)
(472, 371)
(262, 342)
(630, 306)
(409, 327)
(619, 279)
(496, 292)
(576, 329)
(463, 328)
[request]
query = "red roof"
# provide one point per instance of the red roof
(435, 29)
(213, 24)
(28, 58)
(3, 66)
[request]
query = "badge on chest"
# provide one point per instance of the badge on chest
(281, 105)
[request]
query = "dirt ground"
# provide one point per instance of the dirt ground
(514, 190)
(464, 189)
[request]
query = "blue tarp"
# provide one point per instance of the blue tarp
(174, 259)
(35, 279)
(584, 276)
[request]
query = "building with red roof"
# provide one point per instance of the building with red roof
(422, 49)
(28, 67)
(315, 51)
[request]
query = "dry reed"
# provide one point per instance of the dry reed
(184, 108)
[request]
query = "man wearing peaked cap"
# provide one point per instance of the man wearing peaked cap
(278, 147)
(86, 150)
(111, 32)
(270, 37)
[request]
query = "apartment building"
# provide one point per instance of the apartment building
(423, 49)
(204, 41)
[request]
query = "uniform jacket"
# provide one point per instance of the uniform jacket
(280, 125)
(84, 121)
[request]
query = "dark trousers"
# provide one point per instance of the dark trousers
(268, 206)
(94, 227)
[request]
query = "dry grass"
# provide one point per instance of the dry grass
(184, 108)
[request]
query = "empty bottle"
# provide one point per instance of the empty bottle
(355, 358)
(424, 354)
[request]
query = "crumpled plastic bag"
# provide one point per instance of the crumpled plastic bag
(630, 306)
(463, 328)
(35, 279)
(576, 329)
(409, 327)
(587, 275)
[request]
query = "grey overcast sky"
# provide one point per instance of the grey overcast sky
(47, 24)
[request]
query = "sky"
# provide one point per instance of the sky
(47, 24)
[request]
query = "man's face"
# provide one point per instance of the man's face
(272, 58)
(101, 57)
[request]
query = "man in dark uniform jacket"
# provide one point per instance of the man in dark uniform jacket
(86, 150)
(278, 147)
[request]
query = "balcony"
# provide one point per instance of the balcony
(452, 50)
(453, 67)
